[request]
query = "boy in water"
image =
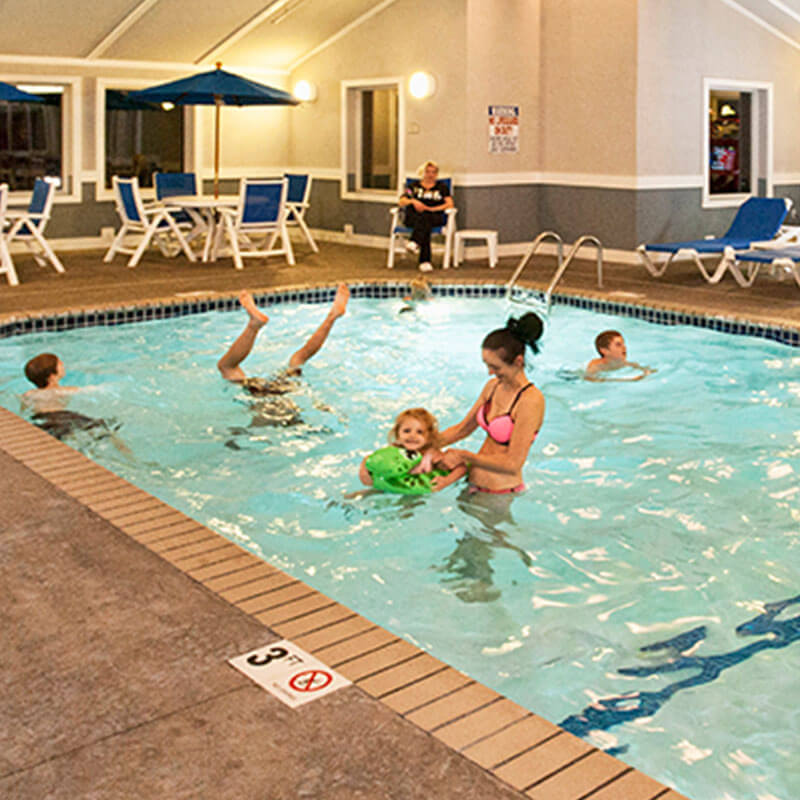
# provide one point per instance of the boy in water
(45, 371)
(420, 291)
(48, 402)
(613, 356)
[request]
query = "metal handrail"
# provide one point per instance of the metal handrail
(529, 253)
(562, 268)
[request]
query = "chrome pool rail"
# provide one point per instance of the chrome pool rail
(563, 263)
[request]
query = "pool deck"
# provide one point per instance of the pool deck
(120, 613)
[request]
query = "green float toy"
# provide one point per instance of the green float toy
(389, 468)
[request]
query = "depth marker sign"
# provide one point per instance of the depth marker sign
(289, 673)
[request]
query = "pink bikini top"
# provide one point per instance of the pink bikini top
(502, 426)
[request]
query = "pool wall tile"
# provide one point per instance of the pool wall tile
(264, 583)
(296, 609)
(313, 622)
(164, 309)
(240, 577)
(362, 644)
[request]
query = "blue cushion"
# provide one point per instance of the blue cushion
(702, 245)
(768, 256)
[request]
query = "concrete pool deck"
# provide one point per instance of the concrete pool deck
(121, 614)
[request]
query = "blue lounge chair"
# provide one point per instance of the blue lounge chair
(758, 220)
(781, 261)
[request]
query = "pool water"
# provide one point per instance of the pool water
(643, 592)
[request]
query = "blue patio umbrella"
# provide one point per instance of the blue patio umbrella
(10, 94)
(217, 88)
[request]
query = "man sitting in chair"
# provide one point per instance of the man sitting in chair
(425, 202)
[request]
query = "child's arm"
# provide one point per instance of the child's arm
(443, 481)
(363, 473)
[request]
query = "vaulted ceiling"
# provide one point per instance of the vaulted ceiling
(261, 34)
(268, 34)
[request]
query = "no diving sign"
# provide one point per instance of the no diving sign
(289, 673)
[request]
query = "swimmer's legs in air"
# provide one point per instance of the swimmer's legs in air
(317, 339)
(228, 365)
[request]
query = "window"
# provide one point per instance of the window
(31, 138)
(372, 139)
(730, 140)
(737, 142)
(141, 138)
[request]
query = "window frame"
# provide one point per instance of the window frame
(71, 134)
(190, 145)
(763, 140)
(372, 195)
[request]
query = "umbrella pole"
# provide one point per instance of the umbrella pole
(217, 104)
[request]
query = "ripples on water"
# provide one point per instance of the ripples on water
(642, 591)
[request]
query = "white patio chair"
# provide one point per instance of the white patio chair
(399, 232)
(6, 264)
(154, 222)
(261, 212)
(297, 202)
(28, 225)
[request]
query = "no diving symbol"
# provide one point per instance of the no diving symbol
(310, 680)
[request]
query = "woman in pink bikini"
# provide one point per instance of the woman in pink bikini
(510, 409)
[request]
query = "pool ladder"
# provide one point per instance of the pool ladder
(563, 263)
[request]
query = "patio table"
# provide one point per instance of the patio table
(208, 206)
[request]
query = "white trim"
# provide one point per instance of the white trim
(89, 176)
(176, 68)
(368, 83)
(762, 22)
(71, 134)
(340, 33)
(235, 35)
(790, 12)
(121, 27)
(762, 93)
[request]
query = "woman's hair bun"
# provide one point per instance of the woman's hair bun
(528, 329)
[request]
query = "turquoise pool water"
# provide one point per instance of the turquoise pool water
(662, 514)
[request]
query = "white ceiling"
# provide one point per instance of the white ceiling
(266, 34)
(258, 34)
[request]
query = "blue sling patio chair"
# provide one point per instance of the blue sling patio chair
(260, 214)
(297, 203)
(28, 226)
(758, 220)
(398, 232)
(181, 184)
(151, 223)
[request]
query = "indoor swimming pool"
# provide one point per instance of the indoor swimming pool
(642, 592)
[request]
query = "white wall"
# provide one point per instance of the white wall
(407, 36)
(680, 43)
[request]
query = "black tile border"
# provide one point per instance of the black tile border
(179, 307)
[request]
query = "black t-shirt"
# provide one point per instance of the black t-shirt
(430, 197)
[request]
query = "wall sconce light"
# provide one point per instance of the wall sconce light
(305, 91)
(421, 85)
(167, 106)
(727, 111)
